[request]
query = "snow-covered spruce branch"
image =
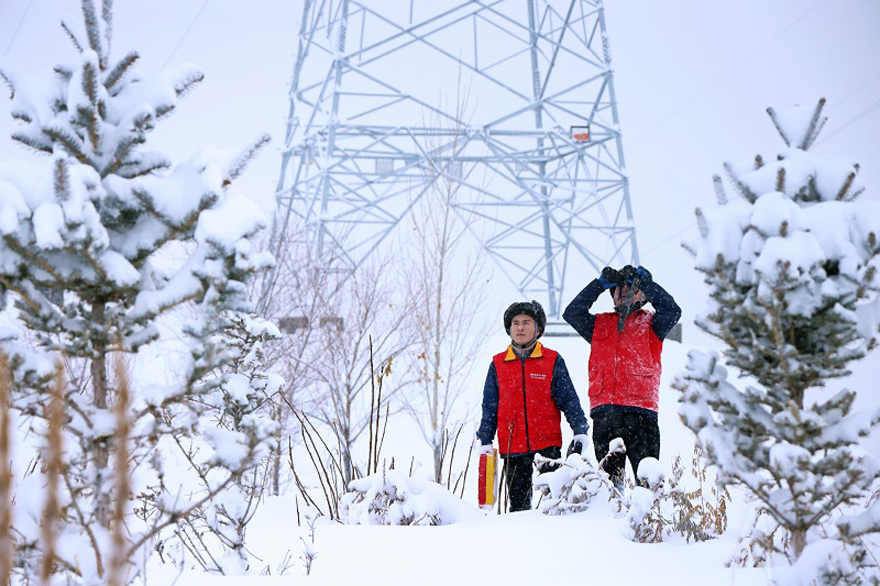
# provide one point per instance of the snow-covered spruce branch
(30, 257)
(7, 79)
(119, 71)
(8, 285)
(238, 166)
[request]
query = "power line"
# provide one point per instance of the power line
(185, 34)
(856, 91)
(676, 235)
(699, 96)
(17, 29)
(727, 73)
(850, 122)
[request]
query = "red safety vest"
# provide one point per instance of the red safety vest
(528, 419)
(625, 366)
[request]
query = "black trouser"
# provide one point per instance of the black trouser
(639, 431)
(518, 476)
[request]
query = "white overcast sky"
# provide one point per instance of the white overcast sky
(693, 80)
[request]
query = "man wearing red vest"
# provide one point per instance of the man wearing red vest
(526, 390)
(624, 362)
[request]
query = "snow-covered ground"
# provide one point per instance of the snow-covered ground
(481, 548)
(520, 548)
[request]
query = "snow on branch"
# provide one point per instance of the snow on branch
(119, 71)
(799, 126)
(72, 37)
(97, 36)
(237, 167)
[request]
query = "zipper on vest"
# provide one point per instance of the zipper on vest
(616, 356)
(525, 409)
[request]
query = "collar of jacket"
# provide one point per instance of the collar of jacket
(536, 353)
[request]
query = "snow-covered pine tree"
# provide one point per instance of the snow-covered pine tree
(89, 226)
(792, 267)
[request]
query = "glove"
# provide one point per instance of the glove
(578, 444)
(644, 276)
(609, 278)
(484, 449)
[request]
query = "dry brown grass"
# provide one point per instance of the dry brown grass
(54, 464)
(6, 544)
(118, 560)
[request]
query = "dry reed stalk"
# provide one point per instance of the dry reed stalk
(372, 406)
(6, 544)
(54, 464)
(119, 555)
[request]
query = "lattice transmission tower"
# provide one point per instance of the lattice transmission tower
(532, 136)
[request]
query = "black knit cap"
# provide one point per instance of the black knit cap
(532, 309)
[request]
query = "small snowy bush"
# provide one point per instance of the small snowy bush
(574, 486)
(392, 498)
(663, 508)
(655, 510)
(648, 516)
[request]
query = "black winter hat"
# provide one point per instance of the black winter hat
(532, 309)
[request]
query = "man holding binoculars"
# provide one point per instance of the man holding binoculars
(624, 364)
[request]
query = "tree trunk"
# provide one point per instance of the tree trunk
(344, 434)
(437, 435)
(100, 451)
(276, 453)
(438, 459)
(798, 542)
(346, 467)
